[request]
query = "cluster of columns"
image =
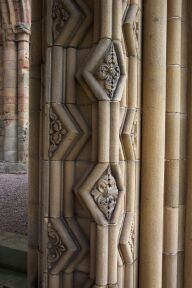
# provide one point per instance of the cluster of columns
(14, 107)
(110, 164)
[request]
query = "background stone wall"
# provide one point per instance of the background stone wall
(15, 19)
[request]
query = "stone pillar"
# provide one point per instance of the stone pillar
(176, 126)
(153, 145)
(86, 105)
(10, 100)
(172, 211)
(1, 100)
(188, 222)
(23, 95)
(34, 211)
(89, 144)
(15, 35)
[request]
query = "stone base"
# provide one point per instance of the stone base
(13, 251)
(12, 279)
(13, 167)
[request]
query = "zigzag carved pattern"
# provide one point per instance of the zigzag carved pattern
(71, 20)
(90, 80)
(68, 132)
(129, 135)
(75, 23)
(65, 240)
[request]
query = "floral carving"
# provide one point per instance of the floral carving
(105, 194)
(56, 132)
(59, 16)
(55, 246)
(108, 72)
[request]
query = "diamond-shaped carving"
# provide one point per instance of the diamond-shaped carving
(105, 194)
(103, 75)
(102, 192)
(108, 73)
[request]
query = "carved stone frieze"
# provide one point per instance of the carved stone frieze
(59, 15)
(105, 194)
(56, 132)
(55, 246)
(108, 72)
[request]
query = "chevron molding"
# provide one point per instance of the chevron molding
(91, 143)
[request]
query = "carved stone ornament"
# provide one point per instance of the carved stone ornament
(105, 194)
(108, 72)
(59, 16)
(132, 238)
(134, 133)
(136, 30)
(56, 132)
(55, 246)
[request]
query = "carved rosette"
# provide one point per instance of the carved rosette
(105, 194)
(60, 16)
(56, 132)
(108, 72)
(55, 246)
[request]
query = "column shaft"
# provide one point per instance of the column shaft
(152, 191)
(188, 222)
(23, 95)
(10, 101)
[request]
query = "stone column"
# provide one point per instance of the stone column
(153, 146)
(34, 219)
(173, 140)
(188, 222)
(176, 126)
(23, 95)
(15, 30)
(89, 144)
(1, 100)
(10, 99)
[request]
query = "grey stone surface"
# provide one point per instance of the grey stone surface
(13, 251)
(10, 279)
(13, 203)
(13, 167)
